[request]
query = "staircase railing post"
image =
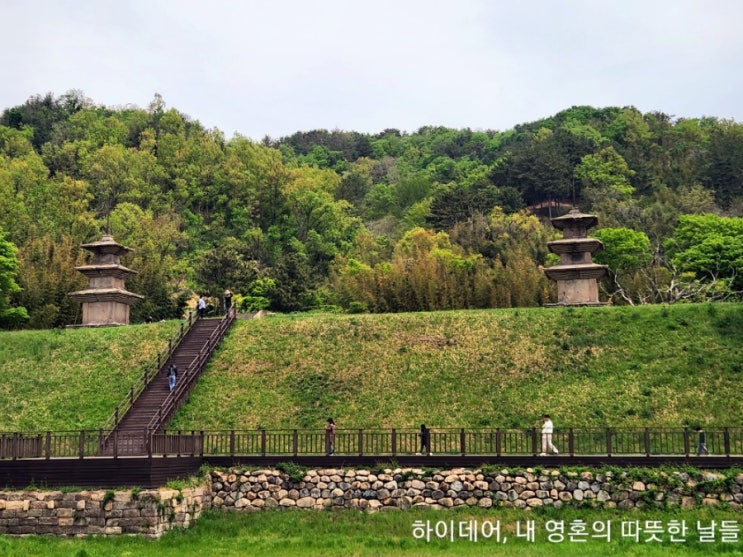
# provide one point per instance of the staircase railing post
(498, 442)
(48, 447)
(116, 443)
(394, 441)
(263, 442)
(462, 442)
(295, 442)
(361, 442)
(647, 441)
(232, 442)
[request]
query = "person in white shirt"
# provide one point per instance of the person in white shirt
(547, 429)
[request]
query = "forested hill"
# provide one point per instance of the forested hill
(396, 221)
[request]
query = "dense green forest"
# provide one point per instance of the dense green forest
(433, 219)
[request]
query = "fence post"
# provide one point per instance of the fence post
(608, 442)
(394, 442)
(116, 417)
(295, 442)
(361, 442)
(201, 449)
(686, 441)
(571, 442)
(462, 442)
(498, 442)
(726, 434)
(14, 451)
(534, 441)
(263, 442)
(647, 441)
(116, 443)
(81, 447)
(131, 397)
(48, 447)
(232, 442)
(148, 440)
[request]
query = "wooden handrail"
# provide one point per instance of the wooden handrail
(723, 442)
(149, 373)
(187, 380)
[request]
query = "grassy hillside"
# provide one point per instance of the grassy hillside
(618, 366)
(72, 378)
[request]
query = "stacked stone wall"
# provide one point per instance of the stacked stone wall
(147, 512)
(152, 512)
(410, 488)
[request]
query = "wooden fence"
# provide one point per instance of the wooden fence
(363, 442)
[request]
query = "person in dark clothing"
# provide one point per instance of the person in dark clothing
(330, 436)
(702, 442)
(425, 436)
(227, 300)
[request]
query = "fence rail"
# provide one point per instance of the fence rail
(640, 442)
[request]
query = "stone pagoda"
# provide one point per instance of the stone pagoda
(577, 276)
(106, 301)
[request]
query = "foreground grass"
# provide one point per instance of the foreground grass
(65, 379)
(612, 366)
(347, 533)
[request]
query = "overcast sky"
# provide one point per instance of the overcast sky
(273, 67)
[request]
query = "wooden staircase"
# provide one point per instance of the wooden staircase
(156, 404)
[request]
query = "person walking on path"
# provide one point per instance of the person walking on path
(172, 376)
(702, 442)
(547, 429)
(425, 436)
(330, 437)
(201, 306)
(227, 301)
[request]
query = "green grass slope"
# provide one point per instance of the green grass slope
(65, 379)
(608, 366)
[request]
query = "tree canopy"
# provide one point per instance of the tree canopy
(394, 221)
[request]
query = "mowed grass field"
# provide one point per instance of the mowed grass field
(353, 533)
(609, 366)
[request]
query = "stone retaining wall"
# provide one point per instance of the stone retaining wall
(414, 488)
(145, 512)
(153, 512)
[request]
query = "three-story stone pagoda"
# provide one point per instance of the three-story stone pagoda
(106, 301)
(577, 276)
